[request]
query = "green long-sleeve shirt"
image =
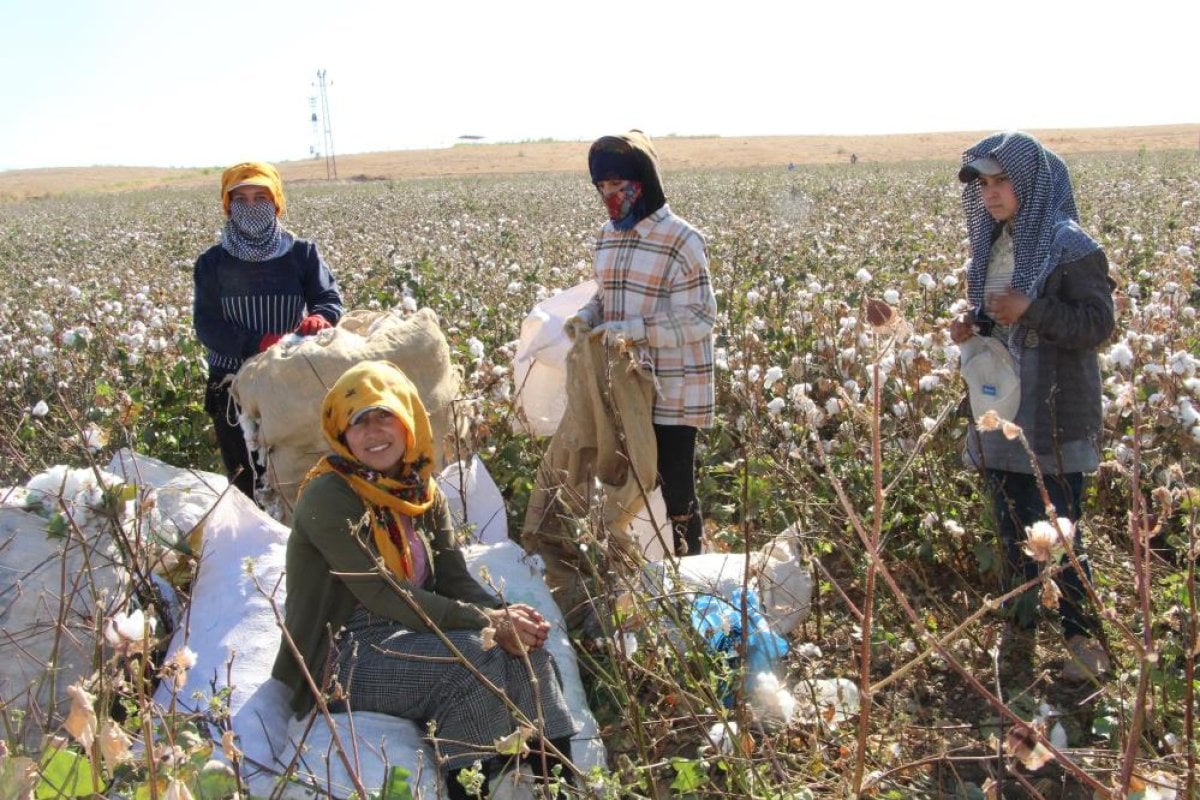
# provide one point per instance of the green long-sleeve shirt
(327, 519)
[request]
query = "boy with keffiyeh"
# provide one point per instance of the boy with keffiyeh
(258, 284)
(1040, 284)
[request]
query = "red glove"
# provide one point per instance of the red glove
(267, 340)
(311, 324)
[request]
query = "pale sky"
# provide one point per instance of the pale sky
(212, 82)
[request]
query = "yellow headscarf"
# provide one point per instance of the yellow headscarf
(381, 384)
(253, 173)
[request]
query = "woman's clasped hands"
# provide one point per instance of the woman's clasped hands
(519, 628)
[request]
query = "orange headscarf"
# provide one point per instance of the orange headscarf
(253, 173)
(381, 384)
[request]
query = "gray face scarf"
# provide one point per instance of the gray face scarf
(252, 232)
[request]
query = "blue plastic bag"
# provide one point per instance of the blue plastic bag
(719, 622)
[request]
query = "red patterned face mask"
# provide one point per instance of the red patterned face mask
(621, 202)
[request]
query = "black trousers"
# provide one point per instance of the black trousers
(1018, 504)
(677, 476)
(241, 467)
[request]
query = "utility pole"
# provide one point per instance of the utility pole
(330, 159)
(314, 147)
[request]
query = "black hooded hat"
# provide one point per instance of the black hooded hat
(629, 157)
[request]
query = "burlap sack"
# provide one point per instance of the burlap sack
(604, 441)
(280, 391)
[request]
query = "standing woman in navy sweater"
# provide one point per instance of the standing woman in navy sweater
(256, 285)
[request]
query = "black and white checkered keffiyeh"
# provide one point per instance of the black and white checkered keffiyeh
(252, 232)
(1045, 228)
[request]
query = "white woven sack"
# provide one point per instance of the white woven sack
(540, 364)
(991, 377)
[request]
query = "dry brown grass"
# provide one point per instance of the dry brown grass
(675, 152)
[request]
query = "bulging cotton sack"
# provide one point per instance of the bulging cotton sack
(280, 390)
(540, 364)
(991, 377)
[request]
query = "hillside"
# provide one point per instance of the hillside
(550, 156)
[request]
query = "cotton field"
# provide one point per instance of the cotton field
(829, 423)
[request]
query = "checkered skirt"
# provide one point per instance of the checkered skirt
(392, 670)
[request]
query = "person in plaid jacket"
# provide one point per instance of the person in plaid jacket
(654, 295)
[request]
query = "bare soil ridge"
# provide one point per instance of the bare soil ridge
(677, 153)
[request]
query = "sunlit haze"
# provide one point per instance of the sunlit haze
(200, 84)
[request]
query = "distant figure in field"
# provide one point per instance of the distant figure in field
(791, 166)
(854, 158)
(1039, 285)
(256, 285)
(655, 296)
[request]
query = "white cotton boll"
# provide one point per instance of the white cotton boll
(953, 528)
(863, 276)
(950, 281)
(721, 358)
(752, 297)
(408, 304)
(94, 437)
(40, 409)
(1120, 355)
(810, 412)
(773, 376)
(475, 347)
(809, 651)
(891, 296)
(753, 373)
(776, 406)
(77, 488)
(770, 701)
(1187, 312)
(1187, 413)
(928, 383)
(833, 406)
(721, 736)
(1182, 363)
(926, 281)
